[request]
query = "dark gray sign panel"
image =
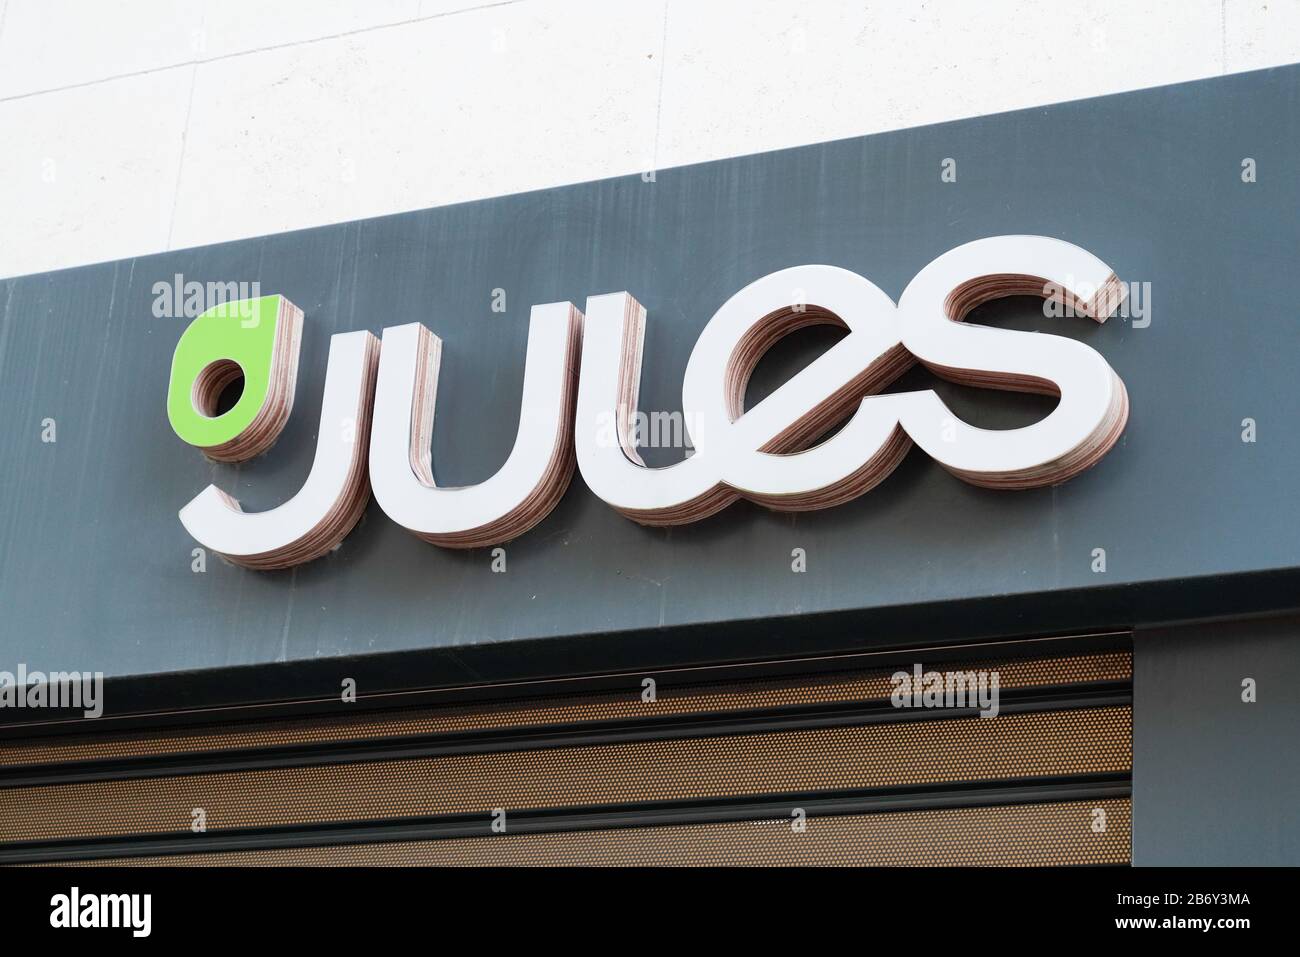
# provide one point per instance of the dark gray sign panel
(95, 568)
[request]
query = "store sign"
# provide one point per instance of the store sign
(579, 401)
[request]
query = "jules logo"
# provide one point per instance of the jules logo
(233, 388)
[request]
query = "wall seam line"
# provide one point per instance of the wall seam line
(180, 163)
(240, 53)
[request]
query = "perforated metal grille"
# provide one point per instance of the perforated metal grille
(910, 753)
(1012, 835)
(840, 688)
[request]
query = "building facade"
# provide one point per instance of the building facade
(936, 659)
